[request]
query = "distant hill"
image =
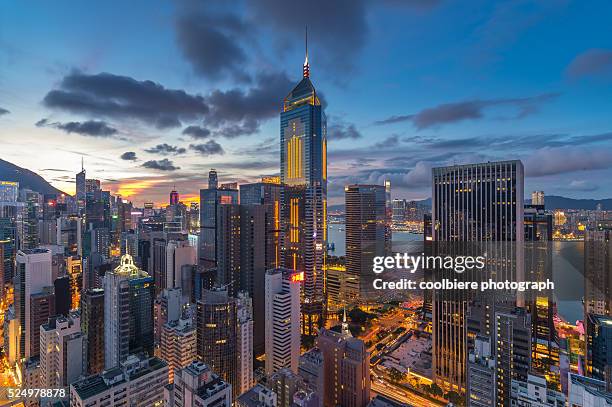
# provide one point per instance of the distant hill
(26, 178)
(560, 202)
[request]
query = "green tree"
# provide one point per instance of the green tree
(396, 376)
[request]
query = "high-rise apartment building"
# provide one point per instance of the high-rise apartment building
(33, 275)
(178, 345)
(198, 385)
(303, 137)
(537, 198)
(92, 326)
(244, 341)
(128, 312)
(137, 382)
(366, 235)
(42, 307)
(282, 326)
(61, 351)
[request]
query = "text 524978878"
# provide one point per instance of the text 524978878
(16, 393)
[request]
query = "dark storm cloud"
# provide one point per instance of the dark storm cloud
(592, 62)
(338, 28)
(237, 112)
(212, 43)
(343, 131)
(129, 156)
(196, 132)
(116, 96)
(93, 128)
(161, 165)
(3, 111)
(471, 110)
(166, 149)
(211, 147)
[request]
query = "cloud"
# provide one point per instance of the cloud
(166, 149)
(470, 110)
(211, 43)
(211, 147)
(582, 185)
(593, 62)
(335, 28)
(343, 131)
(551, 160)
(91, 128)
(238, 112)
(196, 132)
(162, 165)
(391, 141)
(129, 156)
(3, 111)
(116, 96)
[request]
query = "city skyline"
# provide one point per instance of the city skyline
(464, 95)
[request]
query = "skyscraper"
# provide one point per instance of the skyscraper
(199, 385)
(33, 275)
(244, 342)
(178, 344)
(366, 234)
(282, 328)
(303, 137)
(475, 208)
(128, 312)
(210, 200)
(174, 197)
(61, 351)
(92, 326)
(216, 336)
(81, 194)
(213, 182)
(537, 198)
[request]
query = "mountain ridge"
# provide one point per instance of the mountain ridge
(26, 178)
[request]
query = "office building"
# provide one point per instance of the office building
(475, 207)
(217, 334)
(228, 248)
(366, 235)
(597, 269)
(167, 307)
(33, 275)
(9, 191)
(137, 382)
(303, 137)
(63, 295)
(210, 200)
(61, 351)
(92, 326)
(174, 197)
(128, 312)
(346, 362)
(178, 345)
(598, 342)
(282, 326)
(198, 385)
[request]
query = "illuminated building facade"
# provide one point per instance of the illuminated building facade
(217, 324)
(474, 206)
(303, 136)
(367, 235)
(128, 312)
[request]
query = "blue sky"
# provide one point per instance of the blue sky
(185, 86)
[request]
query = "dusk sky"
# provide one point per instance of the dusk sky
(154, 93)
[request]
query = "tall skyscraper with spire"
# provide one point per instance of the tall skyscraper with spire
(303, 134)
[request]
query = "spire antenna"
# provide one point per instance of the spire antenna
(306, 70)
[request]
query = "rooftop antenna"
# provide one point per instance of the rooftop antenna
(306, 64)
